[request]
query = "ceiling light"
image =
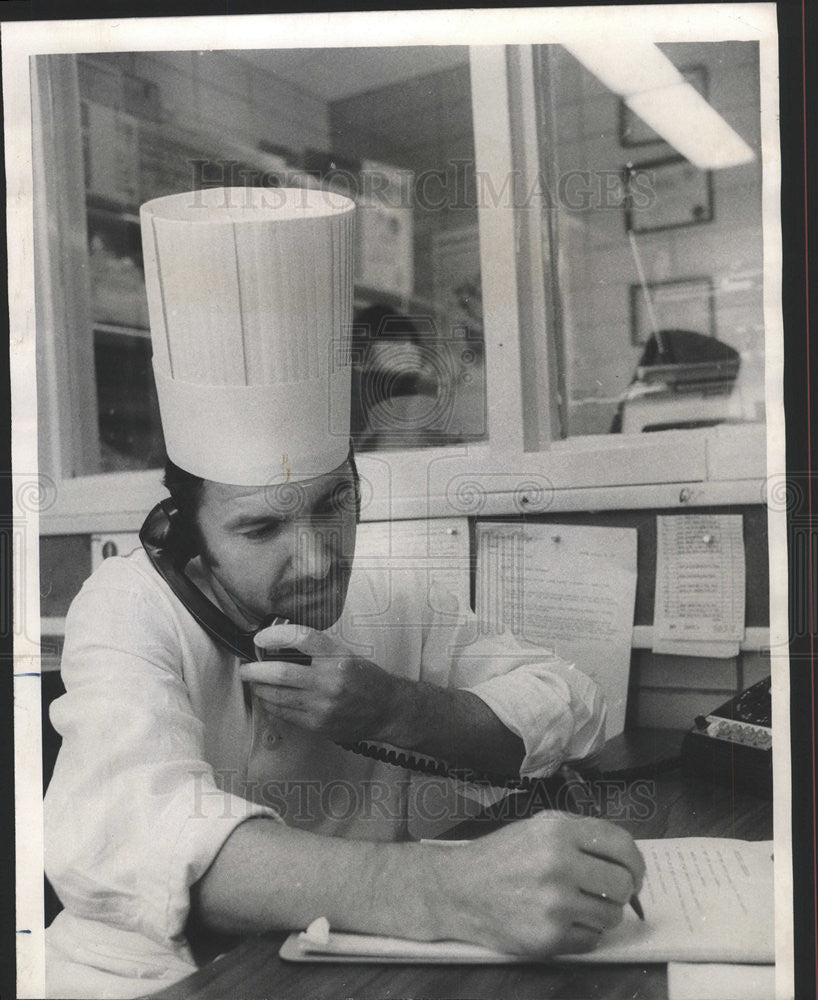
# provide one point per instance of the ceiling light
(654, 89)
(683, 118)
(626, 69)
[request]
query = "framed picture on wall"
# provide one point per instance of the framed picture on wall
(666, 194)
(634, 132)
(678, 304)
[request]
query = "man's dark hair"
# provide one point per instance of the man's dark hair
(186, 489)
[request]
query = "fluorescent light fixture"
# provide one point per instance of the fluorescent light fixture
(626, 69)
(684, 119)
(655, 90)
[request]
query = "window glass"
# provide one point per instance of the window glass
(658, 312)
(391, 127)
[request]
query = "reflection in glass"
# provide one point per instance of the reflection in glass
(413, 387)
(659, 262)
(130, 433)
(390, 127)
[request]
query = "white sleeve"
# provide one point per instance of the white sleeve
(556, 710)
(134, 814)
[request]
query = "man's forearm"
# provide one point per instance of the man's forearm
(453, 724)
(268, 876)
(538, 887)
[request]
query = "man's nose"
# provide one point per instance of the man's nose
(313, 551)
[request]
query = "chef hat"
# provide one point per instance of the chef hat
(250, 300)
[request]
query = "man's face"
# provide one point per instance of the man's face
(281, 550)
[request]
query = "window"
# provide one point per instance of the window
(153, 124)
(508, 328)
(658, 262)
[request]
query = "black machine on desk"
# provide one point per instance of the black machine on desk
(735, 741)
(683, 379)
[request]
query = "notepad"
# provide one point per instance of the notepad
(706, 899)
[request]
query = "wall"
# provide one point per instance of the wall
(423, 125)
(667, 692)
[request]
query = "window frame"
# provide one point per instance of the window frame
(519, 469)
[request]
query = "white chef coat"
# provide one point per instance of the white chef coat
(164, 753)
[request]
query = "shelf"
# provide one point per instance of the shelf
(122, 330)
(98, 208)
(406, 303)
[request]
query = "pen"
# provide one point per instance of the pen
(587, 807)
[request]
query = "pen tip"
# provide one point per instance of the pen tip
(637, 907)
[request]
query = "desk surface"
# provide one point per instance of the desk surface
(678, 807)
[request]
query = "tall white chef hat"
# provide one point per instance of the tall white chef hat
(250, 301)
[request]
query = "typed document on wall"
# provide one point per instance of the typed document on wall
(569, 588)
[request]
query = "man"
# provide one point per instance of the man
(195, 789)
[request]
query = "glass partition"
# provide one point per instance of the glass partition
(658, 259)
(391, 127)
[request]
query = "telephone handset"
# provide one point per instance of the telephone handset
(168, 545)
(165, 540)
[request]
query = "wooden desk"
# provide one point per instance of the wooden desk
(674, 806)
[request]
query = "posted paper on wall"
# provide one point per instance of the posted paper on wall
(439, 546)
(569, 588)
(700, 578)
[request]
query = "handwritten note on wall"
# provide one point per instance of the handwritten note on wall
(700, 578)
(566, 587)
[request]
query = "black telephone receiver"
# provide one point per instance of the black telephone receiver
(165, 538)
(167, 543)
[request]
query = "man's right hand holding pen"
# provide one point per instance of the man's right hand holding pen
(580, 800)
(548, 885)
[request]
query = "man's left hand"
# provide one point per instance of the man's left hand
(339, 695)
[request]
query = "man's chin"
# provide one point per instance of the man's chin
(320, 620)
(319, 612)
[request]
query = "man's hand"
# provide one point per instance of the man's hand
(543, 886)
(339, 695)
(348, 698)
